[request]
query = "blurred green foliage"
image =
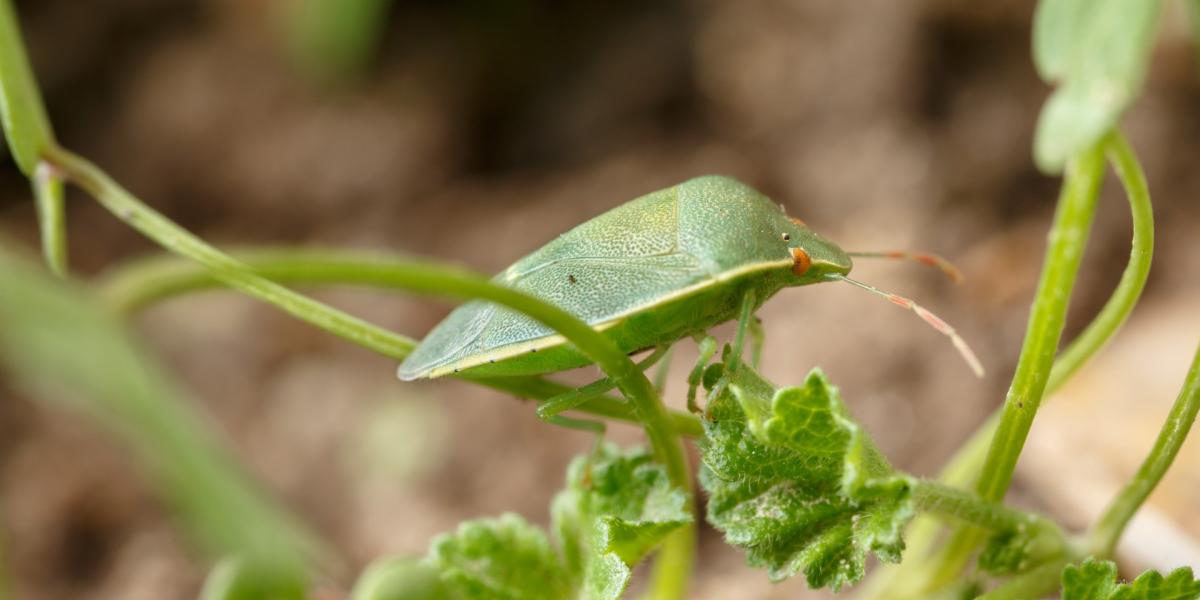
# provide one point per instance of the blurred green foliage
(331, 40)
(61, 349)
(21, 110)
(240, 579)
(400, 578)
(1096, 51)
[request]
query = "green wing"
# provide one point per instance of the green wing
(600, 271)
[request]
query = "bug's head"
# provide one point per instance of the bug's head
(814, 257)
(817, 259)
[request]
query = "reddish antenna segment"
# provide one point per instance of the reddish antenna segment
(943, 327)
(930, 260)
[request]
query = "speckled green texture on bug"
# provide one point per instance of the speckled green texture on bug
(649, 272)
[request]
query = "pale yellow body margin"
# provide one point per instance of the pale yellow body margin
(542, 343)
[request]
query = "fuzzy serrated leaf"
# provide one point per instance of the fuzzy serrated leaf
(616, 508)
(504, 558)
(796, 483)
(1097, 580)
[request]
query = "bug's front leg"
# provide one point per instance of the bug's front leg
(550, 411)
(746, 322)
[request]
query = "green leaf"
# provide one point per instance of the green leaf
(21, 110)
(1096, 50)
(795, 482)
(1097, 580)
(615, 509)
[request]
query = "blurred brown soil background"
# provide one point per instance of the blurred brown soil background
(477, 132)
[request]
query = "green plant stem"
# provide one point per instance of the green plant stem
(673, 565)
(1068, 238)
(1133, 279)
(965, 465)
(1102, 539)
(1035, 583)
(936, 498)
(21, 109)
(431, 279)
(138, 284)
(49, 194)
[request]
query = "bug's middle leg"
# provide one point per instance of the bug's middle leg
(757, 337)
(746, 322)
(550, 410)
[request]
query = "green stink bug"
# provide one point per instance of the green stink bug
(665, 266)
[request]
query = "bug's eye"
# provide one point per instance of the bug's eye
(787, 237)
(801, 262)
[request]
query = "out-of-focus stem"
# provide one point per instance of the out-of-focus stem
(138, 284)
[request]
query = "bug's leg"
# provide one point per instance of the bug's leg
(596, 427)
(734, 358)
(757, 338)
(708, 348)
(551, 409)
(664, 368)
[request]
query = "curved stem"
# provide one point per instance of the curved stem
(431, 279)
(1104, 534)
(138, 284)
(1133, 278)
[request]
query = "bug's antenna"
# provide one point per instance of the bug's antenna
(925, 258)
(929, 317)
